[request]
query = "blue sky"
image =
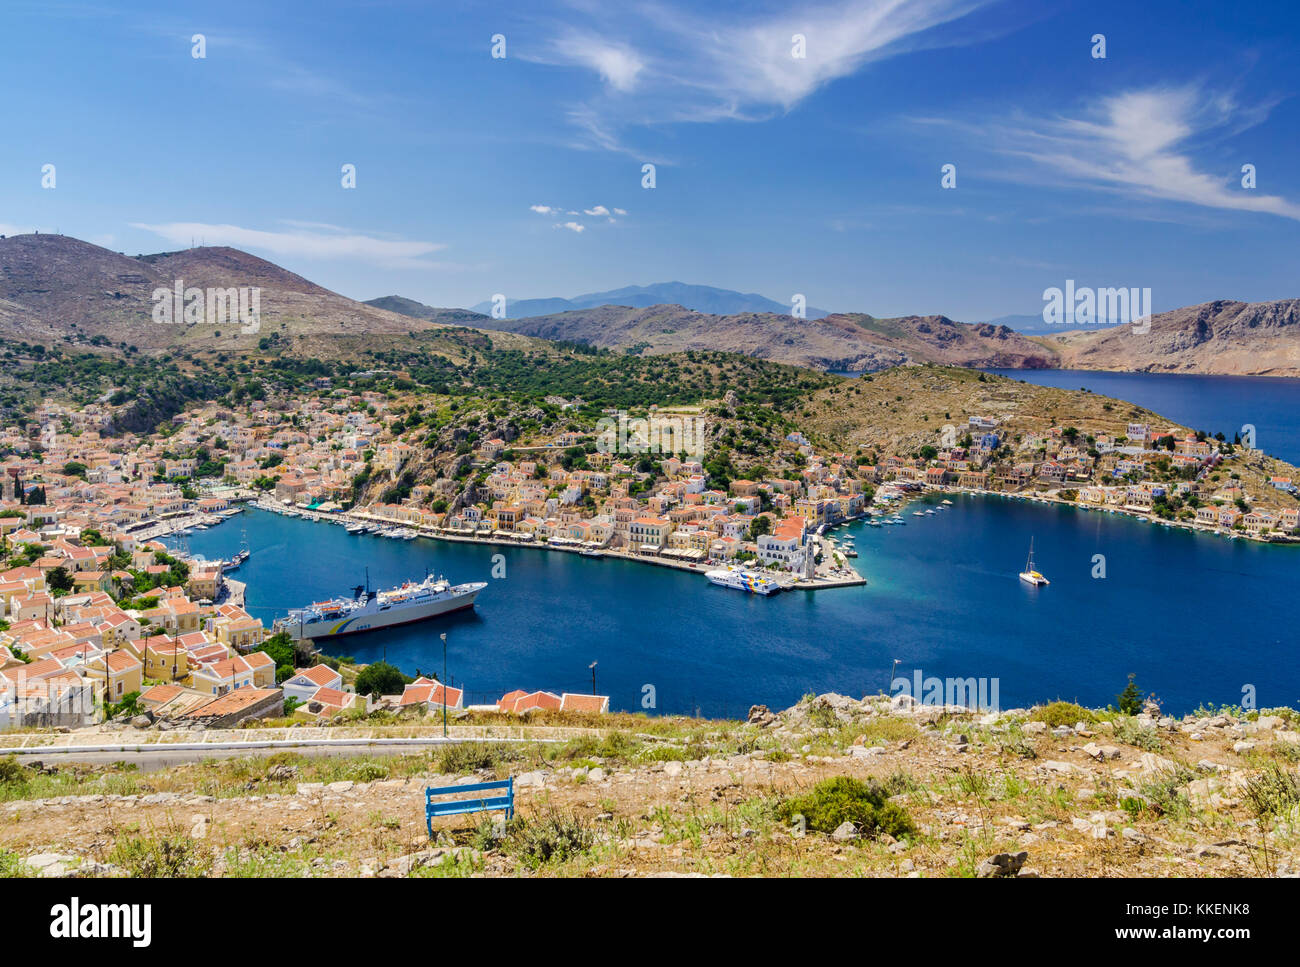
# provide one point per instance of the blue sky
(818, 175)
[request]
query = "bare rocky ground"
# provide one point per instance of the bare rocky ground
(1053, 791)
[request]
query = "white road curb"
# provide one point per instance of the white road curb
(268, 744)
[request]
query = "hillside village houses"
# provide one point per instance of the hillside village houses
(75, 492)
(682, 517)
(73, 495)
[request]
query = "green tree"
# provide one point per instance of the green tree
(59, 579)
(380, 678)
(280, 649)
(1129, 701)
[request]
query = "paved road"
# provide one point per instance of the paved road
(161, 757)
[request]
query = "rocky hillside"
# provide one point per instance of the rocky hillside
(904, 409)
(418, 310)
(834, 786)
(58, 290)
(1225, 338)
(853, 342)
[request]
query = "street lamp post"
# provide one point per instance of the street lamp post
(890, 688)
(592, 666)
(444, 684)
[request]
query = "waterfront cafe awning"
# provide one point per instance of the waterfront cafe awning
(693, 554)
(650, 548)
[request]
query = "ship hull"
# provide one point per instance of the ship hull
(742, 582)
(379, 620)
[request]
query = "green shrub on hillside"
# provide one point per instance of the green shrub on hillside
(833, 802)
(1062, 713)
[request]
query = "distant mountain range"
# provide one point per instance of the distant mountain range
(701, 298)
(840, 342)
(55, 289)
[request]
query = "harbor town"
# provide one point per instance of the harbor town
(94, 602)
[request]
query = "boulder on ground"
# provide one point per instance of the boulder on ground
(1003, 864)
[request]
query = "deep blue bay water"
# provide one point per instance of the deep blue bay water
(1216, 404)
(1196, 617)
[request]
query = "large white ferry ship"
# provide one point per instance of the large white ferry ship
(742, 580)
(370, 611)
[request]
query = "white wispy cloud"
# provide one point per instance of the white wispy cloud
(755, 67)
(1140, 143)
(541, 209)
(598, 210)
(663, 61)
(340, 244)
(618, 64)
(572, 226)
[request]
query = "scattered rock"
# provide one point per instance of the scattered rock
(1003, 864)
(1061, 768)
(1150, 763)
(1102, 752)
(761, 716)
(52, 864)
(845, 832)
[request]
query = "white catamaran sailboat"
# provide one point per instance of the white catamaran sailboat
(1029, 575)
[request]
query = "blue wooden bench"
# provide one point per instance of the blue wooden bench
(453, 807)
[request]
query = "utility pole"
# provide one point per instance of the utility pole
(444, 684)
(592, 666)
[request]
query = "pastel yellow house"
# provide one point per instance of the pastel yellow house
(117, 673)
(241, 633)
(203, 582)
(166, 661)
(92, 581)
